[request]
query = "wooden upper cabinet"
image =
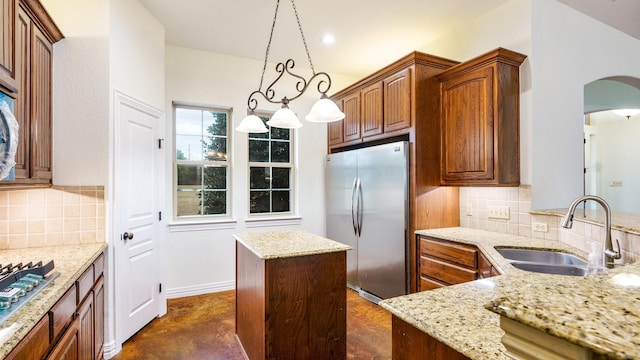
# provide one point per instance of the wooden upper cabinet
(397, 101)
(33, 38)
(8, 11)
(480, 117)
(371, 98)
(351, 109)
(336, 129)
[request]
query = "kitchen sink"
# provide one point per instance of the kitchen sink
(540, 256)
(572, 270)
(545, 261)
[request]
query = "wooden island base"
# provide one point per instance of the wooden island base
(291, 307)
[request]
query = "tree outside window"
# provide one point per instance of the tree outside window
(270, 171)
(202, 161)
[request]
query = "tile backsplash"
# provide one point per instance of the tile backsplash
(62, 215)
(476, 203)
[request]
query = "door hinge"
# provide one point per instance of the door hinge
(160, 143)
(160, 287)
(159, 215)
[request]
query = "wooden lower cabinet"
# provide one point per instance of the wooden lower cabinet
(68, 347)
(74, 327)
(35, 344)
(444, 263)
(410, 343)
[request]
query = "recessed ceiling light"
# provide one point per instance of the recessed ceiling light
(328, 39)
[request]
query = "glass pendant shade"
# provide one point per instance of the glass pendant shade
(284, 118)
(252, 124)
(627, 112)
(324, 111)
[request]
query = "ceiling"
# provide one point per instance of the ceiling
(369, 33)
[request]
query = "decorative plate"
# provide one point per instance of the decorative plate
(8, 140)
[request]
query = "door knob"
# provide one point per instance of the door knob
(127, 235)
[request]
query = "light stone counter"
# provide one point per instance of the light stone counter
(289, 243)
(459, 317)
(71, 261)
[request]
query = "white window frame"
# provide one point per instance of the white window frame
(275, 218)
(195, 222)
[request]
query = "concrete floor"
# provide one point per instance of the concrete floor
(202, 327)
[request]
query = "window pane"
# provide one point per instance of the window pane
(259, 178)
(280, 201)
(188, 202)
(279, 151)
(189, 176)
(214, 123)
(216, 148)
(259, 202)
(215, 177)
(214, 203)
(258, 151)
(280, 178)
(189, 147)
(280, 134)
(188, 121)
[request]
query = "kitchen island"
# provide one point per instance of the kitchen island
(590, 312)
(291, 296)
(72, 261)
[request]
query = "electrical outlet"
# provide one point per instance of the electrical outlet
(468, 209)
(540, 227)
(498, 212)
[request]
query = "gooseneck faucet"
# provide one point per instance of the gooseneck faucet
(608, 254)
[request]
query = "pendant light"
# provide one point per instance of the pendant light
(323, 111)
(628, 113)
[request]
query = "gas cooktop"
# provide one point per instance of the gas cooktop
(19, 283)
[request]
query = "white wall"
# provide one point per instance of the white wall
(81, 92)
(199, 261)
(569, 50)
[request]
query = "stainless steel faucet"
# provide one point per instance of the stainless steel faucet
(608, 254)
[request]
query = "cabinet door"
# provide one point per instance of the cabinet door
(67, 347)
(371, 97)
(98, 308)
(41, 105)
(351, 109)
(8, 45)
(86, 322)
(22, 103)
(467, 126)
(336, 129)
(397, 101)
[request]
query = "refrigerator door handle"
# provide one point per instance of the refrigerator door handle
(354, 206)
(360, 208)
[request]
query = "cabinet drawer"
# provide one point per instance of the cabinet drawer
(462, 254)
(35, 344)
(62, 313)
(85, 283)
(98, 266)
(449, 273)
(430, 284)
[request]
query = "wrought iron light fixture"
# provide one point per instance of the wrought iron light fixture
(324, 110)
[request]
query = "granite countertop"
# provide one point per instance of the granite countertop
(290, 243)
(70, 260)
(459, 315)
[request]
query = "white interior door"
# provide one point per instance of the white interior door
(138, 183)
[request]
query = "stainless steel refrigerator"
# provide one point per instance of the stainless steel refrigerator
(368, 209)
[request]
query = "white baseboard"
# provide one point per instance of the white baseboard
(109, 350)
(199, 289)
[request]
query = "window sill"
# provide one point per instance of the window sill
(271, 221)
(202, 225)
